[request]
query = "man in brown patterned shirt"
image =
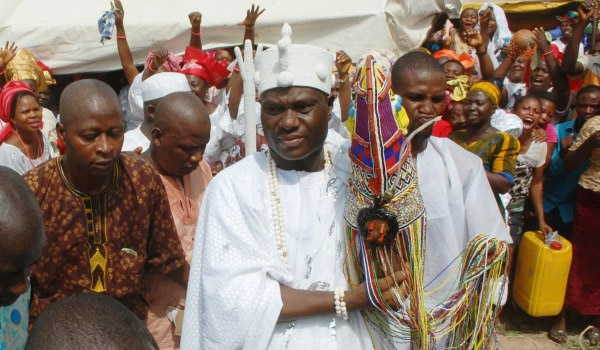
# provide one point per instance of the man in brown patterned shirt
(106, 214)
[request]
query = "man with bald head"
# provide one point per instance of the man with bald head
(92, 322)
(106, 214)
(21, 241)
(179, 137)
(459, 203)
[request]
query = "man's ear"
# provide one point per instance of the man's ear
(60, 132)
(151, 109)
(156, 135)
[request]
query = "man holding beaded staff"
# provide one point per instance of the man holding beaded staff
(267, 270)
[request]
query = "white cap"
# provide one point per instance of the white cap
(293, 65)
(161, 84)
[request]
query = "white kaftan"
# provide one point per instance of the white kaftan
(459, 205)
(12, 157)
(135, 138)
(233, 299)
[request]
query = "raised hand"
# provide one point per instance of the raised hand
(473, 38)
(195, 19)
(343, 62)
(586, 10)
(251, 16)
(117, 9)
(539, 35)
(160, 56)
(485, 17)
(7, 54)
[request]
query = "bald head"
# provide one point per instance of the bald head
(21, 223)
(89, 321)
(416, 62)
(21, 235)
(181, 132)
(86, 97)
(180, 109)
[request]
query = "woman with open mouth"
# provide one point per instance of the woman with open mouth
(529, 169)
(23, 145)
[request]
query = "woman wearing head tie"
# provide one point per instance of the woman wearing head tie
(23, 145)
(498, 150)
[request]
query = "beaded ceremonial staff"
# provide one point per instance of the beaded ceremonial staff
(386, 233)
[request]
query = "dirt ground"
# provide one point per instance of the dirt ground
(523, 332)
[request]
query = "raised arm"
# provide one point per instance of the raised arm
(160, 56)
(569, 63)
(343, 64)
(559, 79)
(236, 89)
(249, 22)
(485, 62)
(475, 39)
(235, 84)
(195, 37)
(6, 55)
(125, 56)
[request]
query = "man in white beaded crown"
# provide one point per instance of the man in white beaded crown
(267, 268)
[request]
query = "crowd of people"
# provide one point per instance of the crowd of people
(145, 208)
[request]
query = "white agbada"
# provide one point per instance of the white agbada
(135, 138)
(233, 299)
(459, 205)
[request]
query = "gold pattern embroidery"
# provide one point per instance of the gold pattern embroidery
(95, 215)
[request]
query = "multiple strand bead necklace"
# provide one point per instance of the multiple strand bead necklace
(276, 206)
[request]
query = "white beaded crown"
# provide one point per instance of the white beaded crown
(293, 65)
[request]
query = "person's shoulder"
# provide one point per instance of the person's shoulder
(247, 170)
(40, 176)
(593, 123)
(134, 164)
(565, 125)
(456, 151)
(506, 137)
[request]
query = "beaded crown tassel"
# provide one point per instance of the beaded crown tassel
(385, 233)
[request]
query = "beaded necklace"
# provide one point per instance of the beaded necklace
(276, 207)
(40, 150)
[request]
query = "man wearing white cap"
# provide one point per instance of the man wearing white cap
(153, 90)
(270, 248)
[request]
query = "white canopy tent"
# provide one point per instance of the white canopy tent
(64, 34)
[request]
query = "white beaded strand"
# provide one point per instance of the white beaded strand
(340, 303)
(276, 207)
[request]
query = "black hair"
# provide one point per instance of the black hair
(412, 62)
(15, 101)
(545, 95)
(21, 224)
(89, 321)
(586, 89)
(454, 61)
(522, 99)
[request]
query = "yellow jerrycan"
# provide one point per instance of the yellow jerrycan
(541, 274)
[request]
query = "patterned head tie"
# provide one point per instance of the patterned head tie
(570, 17)
(490, 89)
